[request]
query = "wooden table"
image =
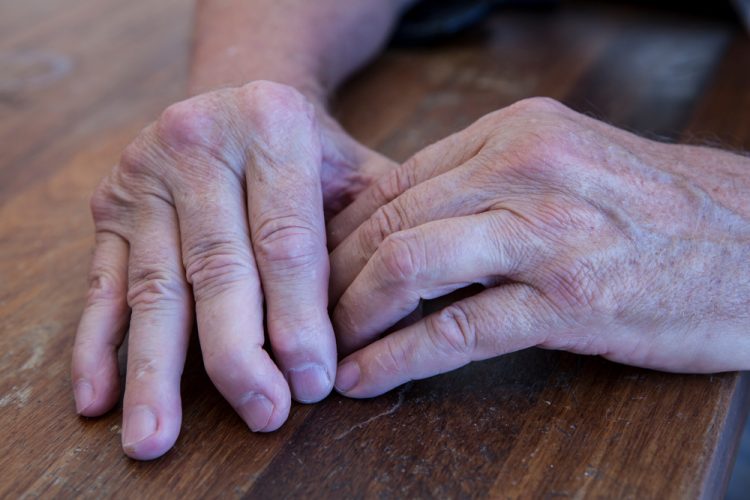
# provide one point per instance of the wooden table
(79, 78)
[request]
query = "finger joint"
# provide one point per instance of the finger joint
(454, 331)
(155, 289)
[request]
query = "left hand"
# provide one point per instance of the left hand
(215, 212)
(587, 238)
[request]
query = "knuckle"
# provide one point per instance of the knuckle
(284, 127)
(104, 285)
(536, 106)
(289, 242)
(216, 265)
(395, 182)
(140, 170)
(154, 289)
(452, 330)
(271, 102)
(196, 123)
(531, 110)
(400, 257)
(534, 156)
(102, 203)
(136, 157)
(385, 221)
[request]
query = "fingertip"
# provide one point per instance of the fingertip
(265, 409)
(94, 395)
(309, 382)
(279, 416)
(146, 436)
(305, 349)
(83, 393)
(346, 340)
(347, 377)
(252, 384)
(256, 410)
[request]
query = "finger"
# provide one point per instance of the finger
(285, 208)
(94, 372)
(229, 304)
(432, 161)
(349, 168)
(160, 325)
(435, 199)
(496, 321)
(426, 262)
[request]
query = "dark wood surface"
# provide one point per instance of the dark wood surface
(79, 78)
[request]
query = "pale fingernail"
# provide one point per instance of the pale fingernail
(139, 424)
(84, 395)
(347, 376)
(310, 383)
(256, 411)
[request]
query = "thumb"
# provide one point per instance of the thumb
(349, 167)
(494, 322)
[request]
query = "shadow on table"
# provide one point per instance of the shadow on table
(739, 485)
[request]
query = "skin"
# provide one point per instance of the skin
(587, 238)
(219, 207)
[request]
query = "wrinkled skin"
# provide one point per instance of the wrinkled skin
(587, 238)
(212, 210)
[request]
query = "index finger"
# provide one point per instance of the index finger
(432, 161)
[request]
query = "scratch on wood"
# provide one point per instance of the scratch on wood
(35, 359)
(19, 396)
(390, 411)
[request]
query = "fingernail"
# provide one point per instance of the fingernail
(347, 376)
(139, 424)
(256, 411)
(310, 383)
(84, 395)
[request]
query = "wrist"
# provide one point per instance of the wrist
(230, 71)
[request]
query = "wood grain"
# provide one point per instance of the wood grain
(79, 78)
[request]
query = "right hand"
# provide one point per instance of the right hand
(213, 209)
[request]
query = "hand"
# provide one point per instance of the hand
(217, 206)
(587, 238)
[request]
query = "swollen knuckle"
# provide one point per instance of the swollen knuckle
(284, 127)
(400, 257)
(216, 265)
(452, 329)
(271, 102)
(154, 289)
(289, 242)
(196, 123)
(538, 106)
